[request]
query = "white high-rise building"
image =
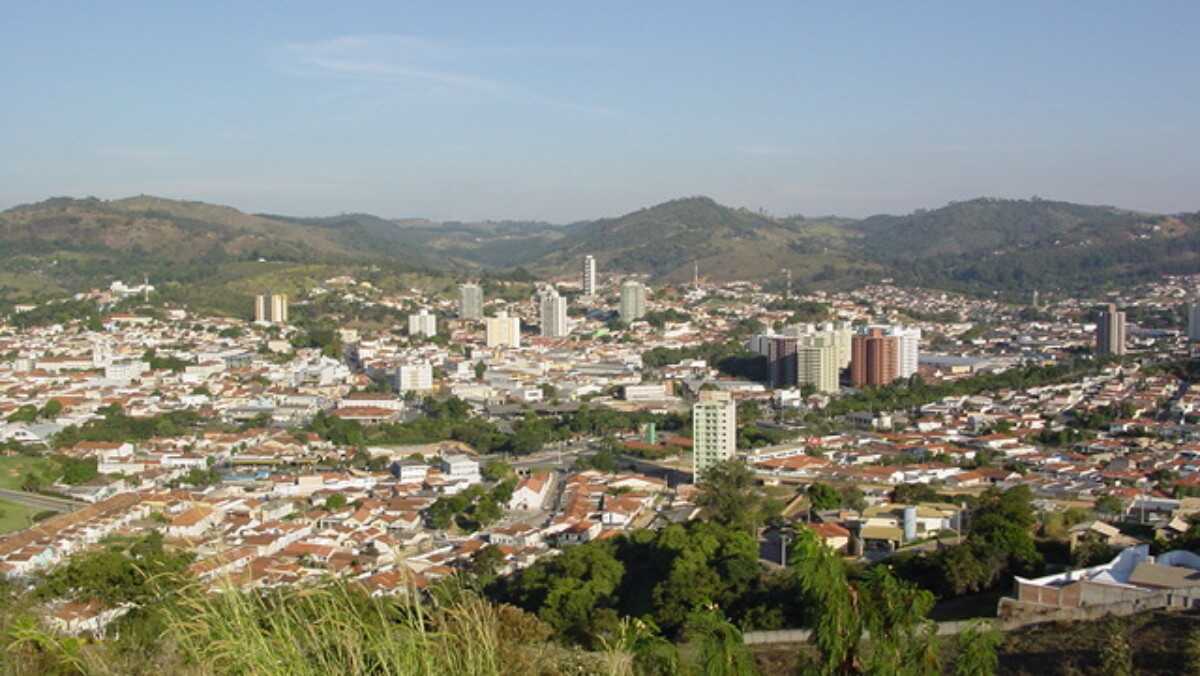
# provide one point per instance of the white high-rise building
(422, 324)
(470, 304)
(633, 301)
(910, 349)
(279, 308)
(589, 276)
(714, 430)
(417, 377)
(262, 311)
(553, 311)
(1194, 321)
(503, 331)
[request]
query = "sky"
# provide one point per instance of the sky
(564, 111)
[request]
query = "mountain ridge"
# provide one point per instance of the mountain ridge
(984, 242)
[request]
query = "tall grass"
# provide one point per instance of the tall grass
(335, 629)
(332, 628)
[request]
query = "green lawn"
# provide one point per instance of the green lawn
(13, 469)
(14, 517)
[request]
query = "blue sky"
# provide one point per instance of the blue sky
(572, 110)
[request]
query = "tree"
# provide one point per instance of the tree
(1116, 655)
(720, 650)
(977, 651)
(823, 497)
(51, 409)
(903, 640)
(335, 501)
(497, 470)
(1110, 505)
(480, 369)
(1192, 650)
(729, 496)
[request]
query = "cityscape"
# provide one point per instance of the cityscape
(623, 340)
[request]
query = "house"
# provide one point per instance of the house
(833, 535)
(192, 523)
(1131, 575)
(531, 493)
(76, 618)
(460, 468)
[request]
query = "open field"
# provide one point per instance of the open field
(14, 517)
(14, 468)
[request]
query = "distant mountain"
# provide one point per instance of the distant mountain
(979, 244)
(989, 243)
(665, 240)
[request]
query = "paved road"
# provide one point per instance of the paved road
(37, 501)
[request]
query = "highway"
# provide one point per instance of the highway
(37, 501)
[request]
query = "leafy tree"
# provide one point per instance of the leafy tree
(1116, 655)
(51, 409)
(335, 501)
(567, 589)
(903, 641)
(1110, 504)
(977, 651)
(719, 647)
(823, 497)
(497, 470)
(77, 471)
(729, 496)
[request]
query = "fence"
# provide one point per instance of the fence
(1175, 599)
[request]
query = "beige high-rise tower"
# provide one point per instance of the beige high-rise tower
(714, 431)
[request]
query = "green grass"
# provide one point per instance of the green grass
(14, 468)
(14, 516)
(330, 628)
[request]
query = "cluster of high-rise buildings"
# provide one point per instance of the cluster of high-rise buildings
(816, 354)
(271, 308)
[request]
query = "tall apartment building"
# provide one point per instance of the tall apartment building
(714, 430)
(1193, 328)
(816, 363)
(910, 349)
(840, 332)
(470, 304)
(781, 360)
(553, 313)
(279, 308)
(589, 276)
(633, 300)
(503, 331)
(422, 324)
(416, 377)
(874, 358)
(262, 309)
(271, 309)
(1110, 332)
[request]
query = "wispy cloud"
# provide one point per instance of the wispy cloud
(408, 60)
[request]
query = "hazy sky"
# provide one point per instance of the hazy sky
(572, 110)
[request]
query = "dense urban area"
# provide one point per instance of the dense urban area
(689, 474)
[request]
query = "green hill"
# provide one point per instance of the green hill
(665, 240)
(984, 244)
